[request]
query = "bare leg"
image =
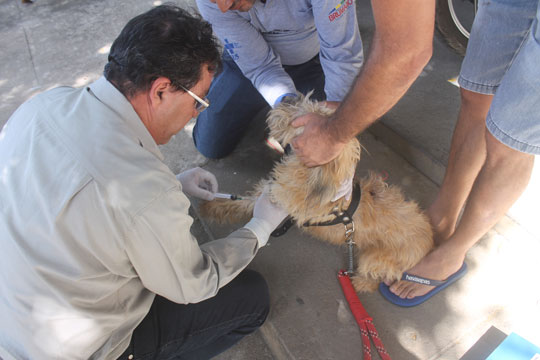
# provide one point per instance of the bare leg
(502, 179)
(467, 155)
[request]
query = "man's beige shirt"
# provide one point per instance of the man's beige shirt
(93, 224)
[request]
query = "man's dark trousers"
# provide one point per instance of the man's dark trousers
(205, 329)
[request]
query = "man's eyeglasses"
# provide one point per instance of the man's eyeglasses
(201, 104)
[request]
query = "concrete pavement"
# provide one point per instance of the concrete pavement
(61, 42)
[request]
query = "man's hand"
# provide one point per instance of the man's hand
(198, 183)
(268, 211)
(315, 146)
(266, 218)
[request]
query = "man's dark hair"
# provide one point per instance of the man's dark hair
(165, 41)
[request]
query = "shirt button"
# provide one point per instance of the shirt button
(130, 357)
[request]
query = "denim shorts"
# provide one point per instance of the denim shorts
(503, 59)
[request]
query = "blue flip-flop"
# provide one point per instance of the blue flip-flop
(439, 285)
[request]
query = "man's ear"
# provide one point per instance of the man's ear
(159, 86)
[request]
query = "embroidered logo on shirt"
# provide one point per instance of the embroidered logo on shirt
(230, 46)
(339, 9)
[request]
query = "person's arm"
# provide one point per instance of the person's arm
(168, 259)
(250, 51)
(341, 53)
(170, 262)
(401, 47)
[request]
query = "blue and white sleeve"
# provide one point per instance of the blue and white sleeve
(250, 51)
(341, 51)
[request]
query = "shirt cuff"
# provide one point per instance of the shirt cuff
(261, 228)
(280, 99)
(272, 93)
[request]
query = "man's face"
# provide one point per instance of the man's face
(177, 107)
(239, 5)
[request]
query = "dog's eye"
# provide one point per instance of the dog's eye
(372, 193)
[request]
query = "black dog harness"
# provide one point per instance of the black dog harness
(341, 217)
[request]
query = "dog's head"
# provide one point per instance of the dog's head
(308, 188)
(280, 118)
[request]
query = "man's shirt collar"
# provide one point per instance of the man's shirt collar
(109, 95)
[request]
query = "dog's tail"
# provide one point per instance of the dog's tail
(225, 211)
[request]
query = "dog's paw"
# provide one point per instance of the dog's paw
(362, 284)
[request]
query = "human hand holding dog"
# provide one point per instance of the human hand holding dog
(266, 217)
(198, 183)
(316, 145)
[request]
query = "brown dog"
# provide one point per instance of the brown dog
(391, 234)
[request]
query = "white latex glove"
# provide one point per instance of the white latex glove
(198, 183)
(266, 218)
(344, 190)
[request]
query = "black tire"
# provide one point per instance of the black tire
(454, 20)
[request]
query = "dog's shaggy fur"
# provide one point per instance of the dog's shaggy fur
(391, 233)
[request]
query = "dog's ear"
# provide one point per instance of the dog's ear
(279, 120)
(373, 185)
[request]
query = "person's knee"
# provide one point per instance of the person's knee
(256, 289)
(208, 143)
(212, 150)
(501, 156)
(256, 284)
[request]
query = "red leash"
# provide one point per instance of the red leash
(364, 321)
